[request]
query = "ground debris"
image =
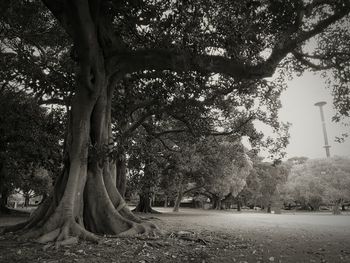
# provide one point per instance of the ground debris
(184, 241)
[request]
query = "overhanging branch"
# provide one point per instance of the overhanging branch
(168, 59)
(301, 58)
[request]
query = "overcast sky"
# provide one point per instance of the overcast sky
(306, 131)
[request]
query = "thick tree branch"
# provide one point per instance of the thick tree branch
(132, 127)
(301, 58)
(284, 47)
(192, 189)
(158, 134)
(167, 59)
(52, 101)
(171, 59)
(166, 146)
(57, 9)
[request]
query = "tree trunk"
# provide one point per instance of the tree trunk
(178, 200)
(26, 200)
(311, 207)
(343, 208)
(239, 206)
(268, 208)
(4, 194)
(121, 173)
(145, 201)
(145, 204)
(165, 201)
(216, 202)
(336, 210)
(180, 192)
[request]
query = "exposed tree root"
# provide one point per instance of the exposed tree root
(100, 216)
(149, 218)
(145, 228)
(10, 211)
(148, 211)
(69, 233)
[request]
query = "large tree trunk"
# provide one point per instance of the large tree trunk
(85, 201)
(121, 172)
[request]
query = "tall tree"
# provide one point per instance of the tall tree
(246, 41)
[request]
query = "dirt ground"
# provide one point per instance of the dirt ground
(205, 236)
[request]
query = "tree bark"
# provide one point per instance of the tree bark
(165, 201)
(121, 173)
(4, 191)
(178, 199)
(180, 192)
(336, 210)
(4, 194)
(239, 204)
(145, 204)
(216, 202)
(26, 200)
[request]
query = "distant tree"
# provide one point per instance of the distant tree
(228, 170)
(188, 169)
(264, 182)
(211, 166)
(146, 164)
(296, 160)
(320, 181)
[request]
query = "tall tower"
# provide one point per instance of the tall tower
(326, 146)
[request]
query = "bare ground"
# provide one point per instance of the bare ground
(205, 236)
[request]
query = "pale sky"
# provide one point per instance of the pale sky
(306, 130)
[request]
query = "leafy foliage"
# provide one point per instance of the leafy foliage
(35, 53)
(30, 142)
(264, 183)
(320, 181)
